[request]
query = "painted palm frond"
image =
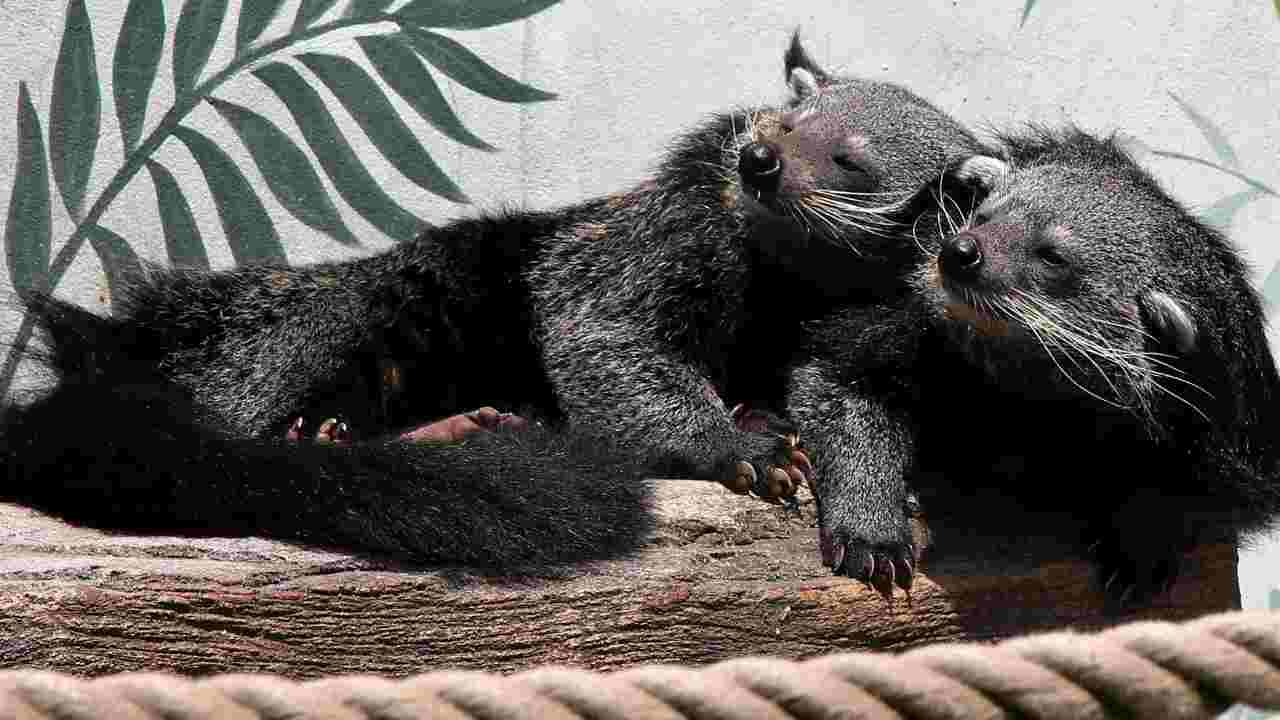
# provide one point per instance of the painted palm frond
(402, 48)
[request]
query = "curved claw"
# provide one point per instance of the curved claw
(294, 433)
(800, 459)
(744, 478)
(333, 432)
(908, 575)
(779, 483)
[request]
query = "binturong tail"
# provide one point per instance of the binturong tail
(133, 455)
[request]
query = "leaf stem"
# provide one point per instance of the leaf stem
(183, 107)
(1220, 168)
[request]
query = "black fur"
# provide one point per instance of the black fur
(134, 457)
(629, 316)
(959, 403)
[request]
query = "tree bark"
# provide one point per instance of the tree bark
(725, 576)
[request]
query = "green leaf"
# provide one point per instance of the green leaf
(468, 69)
(249, 231)
(1026, 12)
(1271, 287)
(309, 10)
(1217, 139)
(198, 27)
(365, 8)
(255, 16)
(287, 171)
(119, 262)
(181, 234)
(28, 228)
(470, 14)
(340, 163)
(1220, 168)
(360, 95)
(1221, 214)
(74, 114)
(403, 71)
(134, 66)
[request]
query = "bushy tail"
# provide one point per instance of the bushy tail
(78, 345)
(133, 456)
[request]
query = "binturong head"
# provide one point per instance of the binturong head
(844, 152)
(1063, 268)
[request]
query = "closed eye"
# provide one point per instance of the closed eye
(1051, 256)
(847, 162)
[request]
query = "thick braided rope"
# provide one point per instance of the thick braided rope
(1145, 670)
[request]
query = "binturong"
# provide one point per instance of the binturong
(623, 321)
(1076, 343)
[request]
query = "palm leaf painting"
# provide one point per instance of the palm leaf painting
(1221, 213)
(401, 47)
(1026, 12)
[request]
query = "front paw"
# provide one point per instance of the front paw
(882, 553)
(775, 466)
(331, 432)
(1134, 573)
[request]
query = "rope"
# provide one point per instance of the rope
(1143, 670)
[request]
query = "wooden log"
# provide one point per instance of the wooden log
(726, 576)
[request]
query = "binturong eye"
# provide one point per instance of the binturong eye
(1051, 255)
(846, 161)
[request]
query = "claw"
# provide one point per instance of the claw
(1106, 587)
(837, 558)
(801, 461)
(333, 432)
(868, 567)
(883, 582)
(797, 480)
(826, 547)
(908, 575)
(744, 479)
(295, 431)
(778, 482)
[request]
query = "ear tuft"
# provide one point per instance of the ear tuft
(981, 170)
(1168, 320)
(803, 74)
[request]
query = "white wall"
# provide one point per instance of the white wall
(630, 75)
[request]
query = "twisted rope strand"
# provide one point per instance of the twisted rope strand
(1158, 670)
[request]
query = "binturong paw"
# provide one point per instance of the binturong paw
(331, 432)
(775, 465)
(881, 565)
(881, 552)
(1133, 574)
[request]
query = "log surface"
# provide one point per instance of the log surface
(725, 576)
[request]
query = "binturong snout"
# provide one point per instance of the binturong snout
(760, 167)
(960, 258)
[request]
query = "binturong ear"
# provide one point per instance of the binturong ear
(963, 183)
(804, 76)
(1169, 321)
(982, 172)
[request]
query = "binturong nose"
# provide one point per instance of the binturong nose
(960, 257)
(760, 166)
